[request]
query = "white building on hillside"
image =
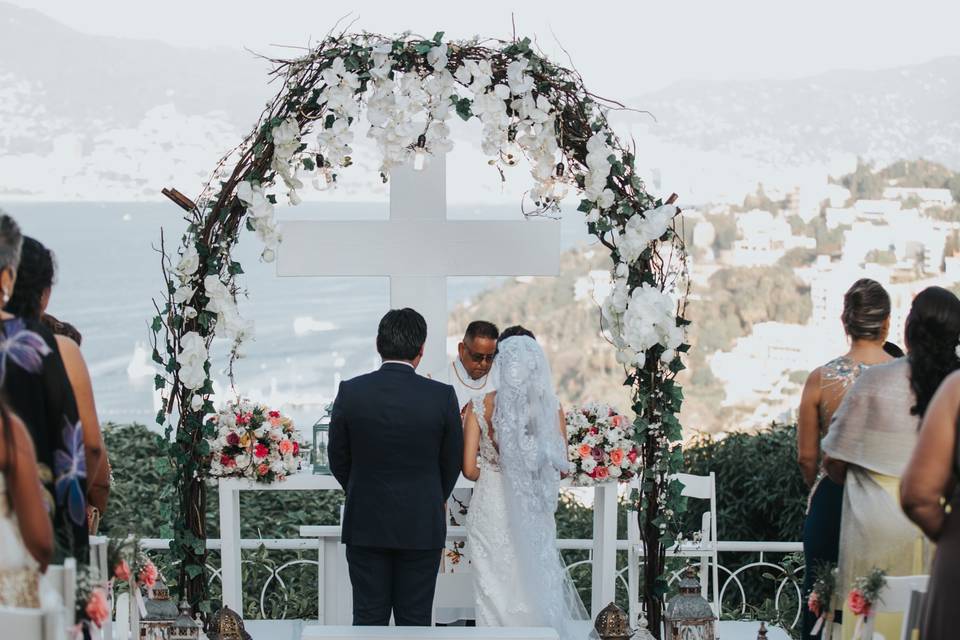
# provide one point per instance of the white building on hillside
(764, 238)
(939, 197)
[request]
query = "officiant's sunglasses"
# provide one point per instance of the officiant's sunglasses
(480, 357)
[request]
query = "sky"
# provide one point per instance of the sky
(649, 44)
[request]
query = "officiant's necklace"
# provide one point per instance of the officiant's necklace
(456, 372)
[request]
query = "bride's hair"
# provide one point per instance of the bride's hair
(932, 333)
(516, 330)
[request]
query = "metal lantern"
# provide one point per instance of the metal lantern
(613, 623)
(689, 616)
(226, 624)
(161, 613)
(184, 627)
(321, 432)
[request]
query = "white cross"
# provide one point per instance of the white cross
(418, 248)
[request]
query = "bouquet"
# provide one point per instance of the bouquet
(600, 445)
(864, 594)
(253, 441)
(821, 595)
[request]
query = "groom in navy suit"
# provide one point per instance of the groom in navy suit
(396, 446)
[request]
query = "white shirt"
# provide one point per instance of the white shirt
(398, 362)
(466, 387)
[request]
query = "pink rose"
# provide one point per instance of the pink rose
(122, 571)
(858, 603)
(286, 447)
(263, 469)
(601, 473)
(616, 457)
(618, 421)
(261, 450)
(585, 451)
(632, 455)
(149, 574)
(97, 608)
(274, 421)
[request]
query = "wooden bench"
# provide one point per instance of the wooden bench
(318, 632)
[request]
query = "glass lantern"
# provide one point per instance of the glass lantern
(689, 616)
(321, 432)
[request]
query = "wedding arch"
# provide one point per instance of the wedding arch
(407, 88)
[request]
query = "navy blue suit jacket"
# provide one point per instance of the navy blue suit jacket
(396, 447)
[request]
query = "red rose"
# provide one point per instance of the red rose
(274, 414)
(601, 473)
(632, 455)
(227, 460)
(296, 448)
(261, 450)
(858, 603)
(233, 439)
(594, 431)
(242, 419)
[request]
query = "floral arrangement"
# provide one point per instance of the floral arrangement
(600, 445)
(253, 441)
(864, 594)
(403, 91)
(821, 595)
(93, 601)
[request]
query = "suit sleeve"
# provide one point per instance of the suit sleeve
(451, 449)
(338, 447)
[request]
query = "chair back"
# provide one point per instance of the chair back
(902, 594)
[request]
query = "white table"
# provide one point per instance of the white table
(747, 630)
(332, 584)
(428, 633)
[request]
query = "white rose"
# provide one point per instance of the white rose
(192, 358)
(196, 402)
(588, 464)
(183, 294)
(606, 199)
(189, 262)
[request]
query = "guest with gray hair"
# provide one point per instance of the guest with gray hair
(35, 381)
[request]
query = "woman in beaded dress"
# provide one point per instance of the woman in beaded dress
(866, 321)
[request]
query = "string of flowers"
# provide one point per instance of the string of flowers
(864, 595)
(403, 91)
(820, 598)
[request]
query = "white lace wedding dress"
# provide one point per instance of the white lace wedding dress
(520, 579)
(19, 572)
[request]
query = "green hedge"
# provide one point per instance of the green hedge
(759, 492)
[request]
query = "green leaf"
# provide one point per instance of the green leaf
(157, 324)
(463, 107)
(586, 206)
(423, 47)
(235, 268)
(438, 37)
(159, 382)
(193, 570)
(308, 163)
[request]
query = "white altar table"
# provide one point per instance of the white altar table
(334, 595)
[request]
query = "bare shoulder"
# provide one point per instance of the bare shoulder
(69, 350)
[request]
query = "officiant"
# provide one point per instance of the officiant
(471, 377)
(471, 370)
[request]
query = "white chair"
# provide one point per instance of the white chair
(695, 487)
(898, 596)
(63, 579)
(32, 624)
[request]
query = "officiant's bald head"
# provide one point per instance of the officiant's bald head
(478, 348)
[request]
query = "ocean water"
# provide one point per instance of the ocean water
(310, 332)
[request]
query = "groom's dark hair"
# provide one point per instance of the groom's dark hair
(401, 334)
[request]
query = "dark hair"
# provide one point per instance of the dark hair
(60, 328)
(892, 350)
(516, 330)
(866, 307)
(11, 240)
(481, 329)
(401, 334)
(34, 276)
(932, 331)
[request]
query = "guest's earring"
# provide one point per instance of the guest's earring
(6, 297)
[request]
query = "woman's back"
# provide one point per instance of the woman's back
(836, 378)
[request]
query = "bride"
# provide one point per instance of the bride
(515, 450)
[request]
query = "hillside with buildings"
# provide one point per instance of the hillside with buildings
(768, 278)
